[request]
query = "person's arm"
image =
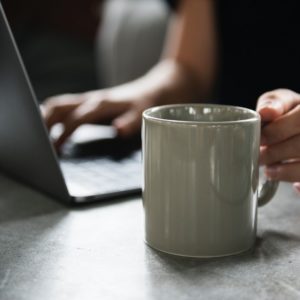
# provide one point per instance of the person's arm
(191, 44)
(185, 73)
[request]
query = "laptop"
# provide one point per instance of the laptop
(89, 170)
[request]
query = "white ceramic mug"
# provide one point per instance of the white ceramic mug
(201, 176)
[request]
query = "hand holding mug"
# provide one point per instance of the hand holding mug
(280, 142)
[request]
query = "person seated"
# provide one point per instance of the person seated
(233, 52)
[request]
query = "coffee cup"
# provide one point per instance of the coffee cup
(201, 179)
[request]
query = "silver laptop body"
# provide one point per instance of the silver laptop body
(27, 154)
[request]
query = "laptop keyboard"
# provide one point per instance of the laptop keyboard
(102, 175)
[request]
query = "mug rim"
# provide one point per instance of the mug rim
(147, 114)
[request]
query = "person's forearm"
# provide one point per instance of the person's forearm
(192, 43)
(168, 82)
(171, 82)
(187, 70)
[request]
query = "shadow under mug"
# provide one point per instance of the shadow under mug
(201, 178)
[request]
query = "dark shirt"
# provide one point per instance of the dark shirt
(259, 48)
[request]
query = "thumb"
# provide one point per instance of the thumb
(274, 104)
(128, 123)
(269, 108)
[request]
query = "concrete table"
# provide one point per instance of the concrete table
(49, 251)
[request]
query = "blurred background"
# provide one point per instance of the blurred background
(71, 46)
(56, 41)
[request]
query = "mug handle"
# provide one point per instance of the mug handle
(269, 187)
(267, 192)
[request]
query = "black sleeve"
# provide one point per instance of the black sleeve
(172, 3)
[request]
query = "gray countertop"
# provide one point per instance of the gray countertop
(49, 251)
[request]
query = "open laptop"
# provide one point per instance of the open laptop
(90, 171)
